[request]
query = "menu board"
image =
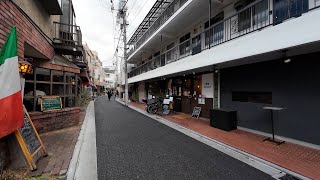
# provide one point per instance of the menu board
(30, 142)
(50, 103)
(29, 136)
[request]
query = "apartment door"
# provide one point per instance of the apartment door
(285, 9)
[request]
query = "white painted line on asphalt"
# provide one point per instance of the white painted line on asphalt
(84, 161)
(265, 166)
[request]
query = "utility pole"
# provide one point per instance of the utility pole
(123, 25)
(125, 58)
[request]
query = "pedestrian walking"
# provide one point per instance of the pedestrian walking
(117, 93)
(109, 95)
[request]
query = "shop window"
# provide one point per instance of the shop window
(254, 97)
(61, 84)
(57, 89)
(197, 85)
(70, 78)
(28, 89)
(42, 89)
(57, 76)
(70, 89)
(186, 87)
(42, 74)
(29, 76)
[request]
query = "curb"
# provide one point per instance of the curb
(263, 165)
(74, 163)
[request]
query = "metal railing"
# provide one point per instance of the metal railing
(67, 34)
(255, 17)
(167, 13)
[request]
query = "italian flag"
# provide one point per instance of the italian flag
(11, 108)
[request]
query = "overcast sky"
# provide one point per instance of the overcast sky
(98, 24)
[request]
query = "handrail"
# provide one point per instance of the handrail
(68, 34)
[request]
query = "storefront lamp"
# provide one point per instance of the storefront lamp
(25, 67)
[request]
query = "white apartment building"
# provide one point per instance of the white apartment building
(248, 55)
(110, 80)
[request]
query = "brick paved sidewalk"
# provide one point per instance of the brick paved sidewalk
(60, 146)
(299, 159)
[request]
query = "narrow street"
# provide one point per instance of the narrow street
(133, 146)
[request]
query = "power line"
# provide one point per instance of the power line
(136, 15)
(131, 7)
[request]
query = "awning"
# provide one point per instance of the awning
(62, 61)
(58, 62)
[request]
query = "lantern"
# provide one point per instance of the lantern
(25, 67)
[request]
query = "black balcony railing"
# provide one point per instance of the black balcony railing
(67, 34)
(255, 17)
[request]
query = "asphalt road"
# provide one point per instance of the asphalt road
(133, 146)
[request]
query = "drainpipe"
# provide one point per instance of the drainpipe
(209, 23)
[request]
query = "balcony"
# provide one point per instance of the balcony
(53, 7)
(165, 15)
(67, 39)
(255, 17)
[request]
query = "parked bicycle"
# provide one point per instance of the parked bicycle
(157, 103)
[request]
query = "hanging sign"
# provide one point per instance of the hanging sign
(50, 103)
(30, 142)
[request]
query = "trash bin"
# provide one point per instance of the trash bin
(223, 119)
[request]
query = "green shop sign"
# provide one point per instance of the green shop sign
(50, 103)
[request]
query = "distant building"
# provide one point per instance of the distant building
(111, 78)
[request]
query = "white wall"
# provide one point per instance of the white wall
(294, 32)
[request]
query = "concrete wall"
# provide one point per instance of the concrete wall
(142, 91)
(39, 15)
(294, 86)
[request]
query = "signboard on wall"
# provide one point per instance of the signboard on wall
(49, 103)
(207, 85)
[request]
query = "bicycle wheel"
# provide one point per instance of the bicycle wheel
(152, 108)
